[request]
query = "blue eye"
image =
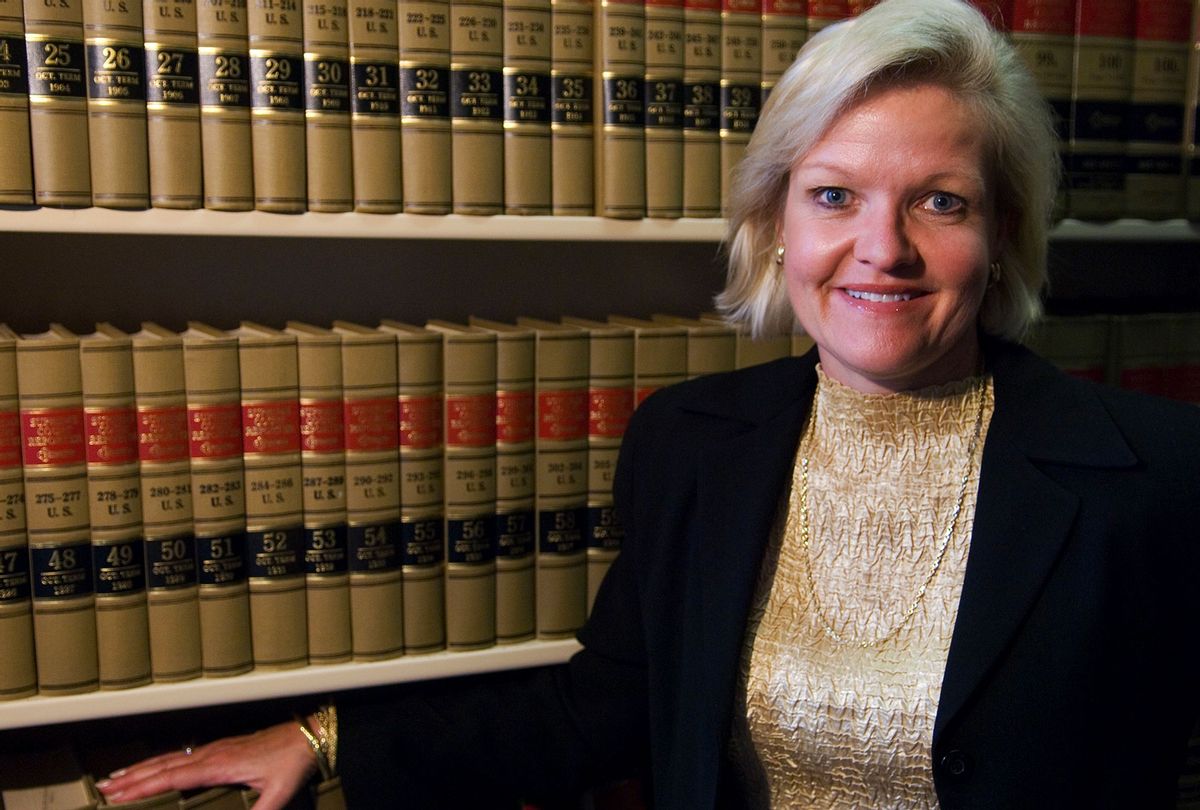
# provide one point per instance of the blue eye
(943, 203)
(832, 196)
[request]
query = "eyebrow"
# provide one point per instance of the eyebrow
(972, 176)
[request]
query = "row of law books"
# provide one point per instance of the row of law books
(211, 501)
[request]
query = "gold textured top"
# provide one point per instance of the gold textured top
(827, 724)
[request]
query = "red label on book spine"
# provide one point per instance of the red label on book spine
(998, 12)
(665, 3)
(609, 411)
(646, 391)
(1164, 20)
(162, 433)
(1104, 18)
(215, 431)
(420, 422)
(514, 416)
(53, 436)
(703, 5)
(372, 424)
(828, 9)
(742, 6)
(111, 435)
(785, 8)
(10, 440)
(562, 415)
(859, 6)
(471, 420)
(271, 427)
(321, 427)
(1044, 17)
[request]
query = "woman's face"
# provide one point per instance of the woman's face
(889, 229)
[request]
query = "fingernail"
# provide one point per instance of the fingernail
(103, 783)
(117, 773)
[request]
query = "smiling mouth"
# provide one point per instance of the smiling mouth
(880, 298)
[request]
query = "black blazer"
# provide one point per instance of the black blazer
(1074, 666)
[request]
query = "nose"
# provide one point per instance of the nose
(883, 241)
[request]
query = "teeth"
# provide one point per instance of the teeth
(879, 298)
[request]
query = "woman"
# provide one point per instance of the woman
(916, 567)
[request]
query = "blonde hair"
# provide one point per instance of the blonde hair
(944, 42)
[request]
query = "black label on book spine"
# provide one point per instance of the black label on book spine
(422, 540)
(119, 567)
(664, 104)
(1099, 172)
(1156, 123)
(623, 102)
(56, 68)
(375, 547)
(172, 75)
(277, 82)
(374, 88)
(1171, 165)
(171, 562)
(14, 575)
(275, 552)
(475, 94)
(327, 85)
(571, 100)
(514, 534)
(470, 540)
(14, 66)
(221, 560)
(325, 550)
(527, 98)
(62, 572)
(225, 79)
(560, 531)
(739, 107)
(701, 109)
(116, 72)
(1100, 120)
(603, 529)
(425, 92)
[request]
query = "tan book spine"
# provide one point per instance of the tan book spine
(225, 105)
(172, 590)
(1155, 185)
(572, 108)
(274, 496)
(1079, 345)
(784, 32)
(16, 159)
(1192, 145)
(54, 454)
(329, 167)
(823, 13)
(711, 347)
(370, 391)
(173, 103)
(664, 108)
(477, 106)
(210, 362)
(527, 106)
(116, 103)
(660, 354)
(620, 150)
(277, 100)
(375, 106)
(515, 479)
(469, 416)
(701, 108)
(422, 485)
(115, 507)
(323, 469)
(801, 343)
(58, 123)
(741, 83)
(425, 89)
(18, 672)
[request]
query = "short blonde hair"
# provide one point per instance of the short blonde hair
(944, 42)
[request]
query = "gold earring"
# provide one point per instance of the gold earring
(779, 251)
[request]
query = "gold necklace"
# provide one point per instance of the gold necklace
(826, 625)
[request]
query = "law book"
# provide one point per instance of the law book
(422, 485)
(1101, 85)
(115, 508)
(610, 405)
(784, 32)
(664, 108)
(277, 104)
(425, 102)
(527, 106)
(1141, 352)
(824, 13)
(214, 419)
(1183, 371)
(16, 157)
(660, 354)
(323, 472)
(560, 448)
(372, 417)
(1080, 345)
(18, 673)
(750, 350)
(701, 108)
(226, 151)
(173, 103)
(477, 106)
(741, 84)
(515, 480)
(572, 107)
(54, 458)
(116, 103)
(1155, 184)
(801, 342)
(58, 121)
(172, 588)
(1192, 127)
(711, 347)
(329, 167)
(375, 106)
(469, 462)
(270, 398)
(620, 147)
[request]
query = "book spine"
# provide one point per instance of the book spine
(274, 501)
(660, 360)
(1079, 345)
(741, 83)
(620, 154)
(170, 547)
(228, 172)
(572, 116)
(476, 106)
(823, 13)
(54, 455)
(1155, 184)
(116, 103)
(323, 469)
(527, 105)
(784, 31)
(1100, 93)
(663, 113)
(375, 106)
(58, 123)
(470, 489)
(327, 106)
(18, 673)
(16, 159)
(701, 109)
(1192, 145)
(277, 100)
(173, 103)
(219, 504)
(425, 90)
(711, 350)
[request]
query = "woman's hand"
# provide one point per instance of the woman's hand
(276, 762)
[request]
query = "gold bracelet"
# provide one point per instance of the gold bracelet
(327, 730)
(318, 749)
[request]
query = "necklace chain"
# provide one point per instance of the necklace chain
(910, 611)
